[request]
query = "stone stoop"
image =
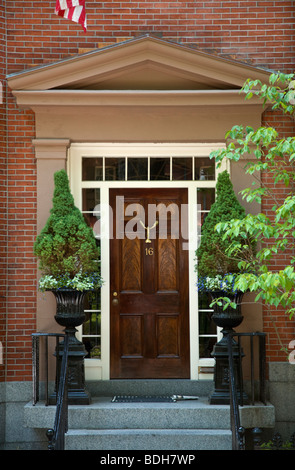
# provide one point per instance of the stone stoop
(184, 425)
(104, 425)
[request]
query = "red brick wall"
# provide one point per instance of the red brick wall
(279, 327)
(21, 291)
(3, 195)
(258, 32)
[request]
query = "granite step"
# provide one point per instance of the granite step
(149, 439)
(181, 425)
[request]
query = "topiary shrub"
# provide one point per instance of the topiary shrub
(212, 258)
(66, 246)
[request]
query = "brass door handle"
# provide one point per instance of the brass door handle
(115, 301)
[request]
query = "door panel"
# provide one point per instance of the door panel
(149, 285)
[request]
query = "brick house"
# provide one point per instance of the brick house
(131, 108)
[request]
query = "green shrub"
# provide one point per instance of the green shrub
(66, 247)
(212, 252)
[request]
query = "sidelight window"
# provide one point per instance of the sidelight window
(91, 328)
(207, 328)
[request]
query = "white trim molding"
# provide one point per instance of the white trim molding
(76, 152)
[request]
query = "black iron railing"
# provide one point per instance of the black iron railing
(255, 396)
(56, 436)
(37, 338)
(238, 432)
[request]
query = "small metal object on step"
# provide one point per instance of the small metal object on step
(150, 398)
(183, 397)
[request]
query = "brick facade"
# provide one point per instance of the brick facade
(277, 325)
(260, 33)
(3, 193)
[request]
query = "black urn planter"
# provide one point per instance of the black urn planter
(70, 314)
(227, 319)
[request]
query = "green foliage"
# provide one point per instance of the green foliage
(276, 156)
(66, 246)
(79, 282)
(212, 253)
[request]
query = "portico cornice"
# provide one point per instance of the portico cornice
(93, 98)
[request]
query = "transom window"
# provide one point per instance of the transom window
(155, 168)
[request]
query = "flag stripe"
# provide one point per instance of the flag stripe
(73, 10)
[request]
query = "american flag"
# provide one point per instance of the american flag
(73, 10)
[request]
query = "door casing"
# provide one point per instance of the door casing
(96, 369)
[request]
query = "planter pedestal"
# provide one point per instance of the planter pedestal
(227, 320)
(70, 313)
(221, 393)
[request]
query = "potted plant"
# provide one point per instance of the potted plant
(69, 262)
(226, 299)
(218, 269)
(218, 257)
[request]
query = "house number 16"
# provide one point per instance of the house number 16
(149, 251)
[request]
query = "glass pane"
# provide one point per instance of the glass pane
(206, 324)
(204, 301)
(93, 347)
(159, 169)
(182, 169)
(115, 169)
(206, 346)
(90, 199)
(92, 169)
(137, 169)
(204, 169)
(205, 197)
(92, 303)
(92, 326)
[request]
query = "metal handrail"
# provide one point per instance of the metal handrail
(36, 366)
(56, 436)
(262, 363)
(238, 432)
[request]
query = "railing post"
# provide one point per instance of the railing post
(35, 358)
(238, 432)
(256, 436)
(46, 370)
(262, 360)
(241, 382)
(50, 435)
(56, 436)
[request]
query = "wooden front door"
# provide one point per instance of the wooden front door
(149, 284)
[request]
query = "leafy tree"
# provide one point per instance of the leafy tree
(274, 156)
(66, 246)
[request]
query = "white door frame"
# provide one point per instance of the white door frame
(100, 368)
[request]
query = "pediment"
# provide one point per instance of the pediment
(145, 63)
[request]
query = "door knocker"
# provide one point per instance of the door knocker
(148, 231)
